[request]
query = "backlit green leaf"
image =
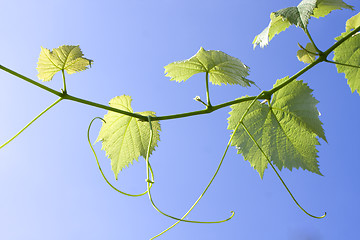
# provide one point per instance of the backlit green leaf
(125, 138)
(221, 68)
(298, 16)
(348, 53)
(277, 24)
(287, 131)
(324, 7)
(353, 22)
(307, 55)
(68, 58)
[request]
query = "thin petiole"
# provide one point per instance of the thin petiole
(308, 51)
(31, 122)
(207, 90)
(102, 173)
(64, 82)
(342, 64)
(312, 41)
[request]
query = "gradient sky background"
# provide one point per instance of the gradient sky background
(50, 185)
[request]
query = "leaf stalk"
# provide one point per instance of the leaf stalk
(64, 82)
(207, 91)
(342, 64)
(312, 41)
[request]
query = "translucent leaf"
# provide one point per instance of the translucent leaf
(125, 138)
(324, 7)
(68, 58)
(282, 19)
(349, 53)
(298, 16)
(287, 131)
(276, 25)
(353, 22)
(222, 68)
(307, 55)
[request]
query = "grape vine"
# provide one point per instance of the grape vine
(279, 127)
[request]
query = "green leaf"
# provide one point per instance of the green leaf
(68, 58)
(277, 24)
(298, 16)
(221, 68)
(125, 138)
(324, 7)
(349, 53)
(282, 19)
(287, 131)
(307, 54)
(353, 22)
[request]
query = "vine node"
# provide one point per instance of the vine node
(266, 95)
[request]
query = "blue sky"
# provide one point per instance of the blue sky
(51, 186)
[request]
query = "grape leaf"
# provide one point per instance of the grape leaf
(68, 58)
(287, 131)
(125, 138)
(324, 7)
(221, 68)
(307, 55)
(353, 22)
(298, 16)
(277, 25)
(348, 53)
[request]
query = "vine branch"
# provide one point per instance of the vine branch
(265, 95)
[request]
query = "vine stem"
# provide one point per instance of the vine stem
(151, 181)
(322, 57)
(278, 175)
(31, 122)
(102, 173)
(66, 96)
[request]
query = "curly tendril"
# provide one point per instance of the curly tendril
(241, 122)
(267, 158)
(97, 161)
(203, 193)
(31, 122)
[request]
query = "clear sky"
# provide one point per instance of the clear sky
(51, 187)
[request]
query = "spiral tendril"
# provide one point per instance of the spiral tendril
(196, 202)
(102, 173)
